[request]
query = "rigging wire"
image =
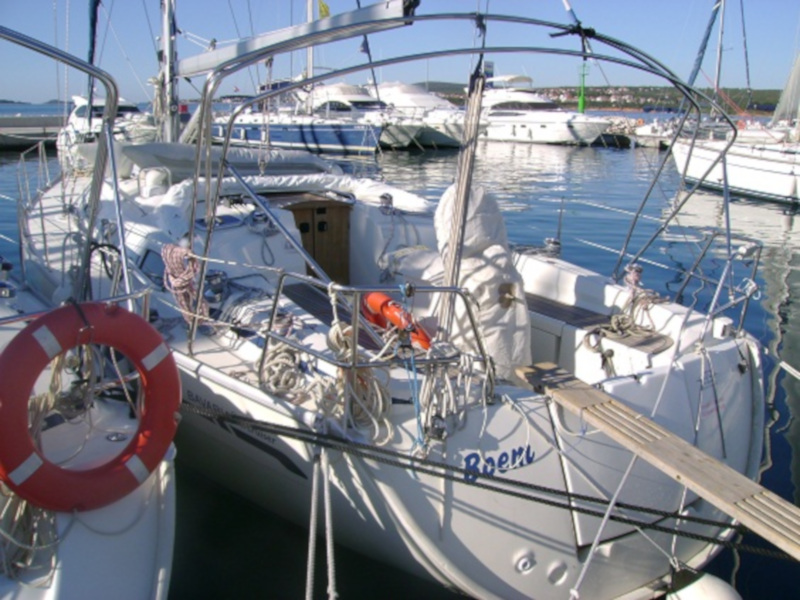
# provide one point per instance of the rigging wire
(239, 35)
(110, 27)
(105, 34)
(253, 34)
(66, 68)
(55, 43)
(746, 59)
(150, 28)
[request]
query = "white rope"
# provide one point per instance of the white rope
(362, 399)
(328, 525)
(26, 531)
(312, 528)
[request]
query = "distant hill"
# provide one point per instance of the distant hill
(452, 91)
(625, 97)
(12, 102)
(443, 87)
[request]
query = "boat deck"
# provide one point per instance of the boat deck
(760, 510)
(582, 318)
(317, 302)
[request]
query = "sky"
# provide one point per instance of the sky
(669, 30)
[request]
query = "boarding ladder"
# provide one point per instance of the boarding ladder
(752, 505)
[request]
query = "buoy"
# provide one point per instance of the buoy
(30, 474)
(705, 587)
(381, 310)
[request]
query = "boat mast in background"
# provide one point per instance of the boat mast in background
(701, 52)
(169, 73)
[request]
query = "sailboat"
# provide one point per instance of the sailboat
(89, 409)
(355, 354)
(766, 166)
(755, 161)
(442, 121)
(354, 103)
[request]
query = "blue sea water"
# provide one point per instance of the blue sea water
(228, 548)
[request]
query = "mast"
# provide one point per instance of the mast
(94, 6)
(169, 58)
(718, 69)
(310, 49)
(701, 52)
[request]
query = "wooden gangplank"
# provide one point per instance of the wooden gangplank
(755, 507)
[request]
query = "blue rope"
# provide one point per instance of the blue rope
(420, 441)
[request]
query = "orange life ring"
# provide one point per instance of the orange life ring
(381, 310)
(741, 124)
(23, 468)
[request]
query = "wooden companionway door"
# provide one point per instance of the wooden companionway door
(325, 234)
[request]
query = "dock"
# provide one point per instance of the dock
(752, 505)
(22, 132)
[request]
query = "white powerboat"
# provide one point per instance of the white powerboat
(443, 121)
(514, 112)
(352, 102)
(353, 352)
(77, 140)
(654, 134)
(299, 131)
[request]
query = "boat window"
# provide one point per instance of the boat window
(122, 111)
(368, 104)
(81, 111)
(525, 106)
(153, 267)
(334, 106)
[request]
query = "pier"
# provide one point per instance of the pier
(21, 132)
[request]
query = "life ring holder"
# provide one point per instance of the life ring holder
(381, 310)
(22, 466)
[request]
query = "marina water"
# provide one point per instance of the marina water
(228, 548)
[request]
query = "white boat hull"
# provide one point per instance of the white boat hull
(486, 543)
(544, 127)
(770, 172)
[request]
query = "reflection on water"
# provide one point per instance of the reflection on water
(778, 228)
(538, 183)
(775, 319)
